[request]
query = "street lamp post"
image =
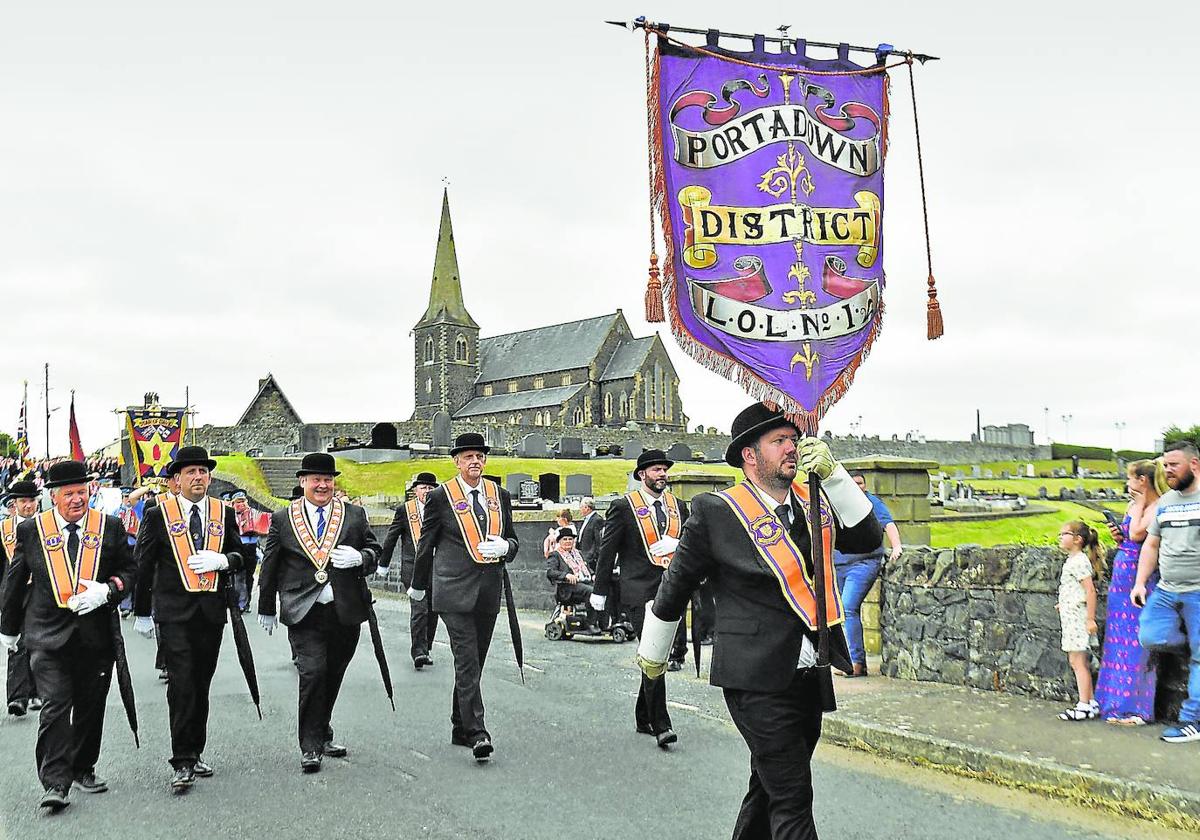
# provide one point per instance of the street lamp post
(1067, 418)
(1120, 427)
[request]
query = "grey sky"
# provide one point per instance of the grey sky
(196, 194)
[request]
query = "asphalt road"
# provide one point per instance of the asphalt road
(568, 763)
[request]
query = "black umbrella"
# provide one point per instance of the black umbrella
(377, 643)
(241, 641)
(514, 628)
(824, 671)
(124, 683)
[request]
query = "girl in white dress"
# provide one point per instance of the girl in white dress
(1077, 611)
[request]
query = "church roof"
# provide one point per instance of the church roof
(265, 385)
(543, 349)
(445, 292)
(520, 401)
(628, 359)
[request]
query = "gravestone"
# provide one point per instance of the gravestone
(533, 446)
(496, 437)
(273, 450)
(529, 490)
(383, 436)
(959, 475)
(1029, 471)
(579, 485)
(550, 483)
(976, 471)
(1005, 474)
(495, 479)
(441, 430)
(631, 449)
(987, 474)
(715, 453)
(570, 447)
(1064, 495)
(1042, 493)
(679, 452)
(944, 490)
(310, 438)
(514, 481)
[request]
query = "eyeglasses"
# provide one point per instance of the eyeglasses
(1067, 534)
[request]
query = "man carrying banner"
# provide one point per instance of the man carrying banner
(753, 542)
(466, 536)
(22, 500)
(187, 547)
(316, 556)
(641, 534)
(70, 568)
(406, 529)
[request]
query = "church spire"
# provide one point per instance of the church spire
(445, 292)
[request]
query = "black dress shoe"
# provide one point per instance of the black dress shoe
(183, 779)
(460, 741)
(310, 762)
(54, 800)
(666, 738)
(90, 783)
(163, 675)
(17, 708)
(482, 750)
(334, 750)
(644, 730)
(35, 704)
(674, 665)
(203, 769)
(421, 661)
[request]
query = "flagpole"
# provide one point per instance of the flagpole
(46, 397)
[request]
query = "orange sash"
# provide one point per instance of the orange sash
(181, 541)
(414, 520)
(65, 573)
(468, 526)
(8, 537)
(318, 553)
(781, 554)
(648, 525)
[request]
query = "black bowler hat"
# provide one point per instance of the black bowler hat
(190, 456)
(318, 463)
(426, 478)
(469, 442)
(751, 424)
(563, 533)
(297, 492)
(66, 473)
(22, 490)
(648, 459)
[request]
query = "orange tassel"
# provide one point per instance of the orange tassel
(654, 301)
(934, 313)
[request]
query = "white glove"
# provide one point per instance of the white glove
(345, 557)
(9, 643)
(493, 548)
(93, 597)
(381, 572)
(268, 623)
(597, 602)
(665, 546)
(206, 561)
(416, 594)
(808, 654)
(143, 625)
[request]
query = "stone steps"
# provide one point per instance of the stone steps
(280, 474)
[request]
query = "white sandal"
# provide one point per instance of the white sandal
(1080, 711)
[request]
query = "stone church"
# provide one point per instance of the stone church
(590, 373)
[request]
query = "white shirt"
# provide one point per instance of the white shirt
(310, 511)
(62, 528)
(186, 505)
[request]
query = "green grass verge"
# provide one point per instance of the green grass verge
(247, 475)
(1041, 529)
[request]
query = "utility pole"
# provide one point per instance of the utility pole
(1046, 419)
(1067, 418)
(46, 405)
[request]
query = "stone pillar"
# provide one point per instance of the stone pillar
(903, 485)
(688, 485)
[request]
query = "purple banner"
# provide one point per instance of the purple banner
(770, 183)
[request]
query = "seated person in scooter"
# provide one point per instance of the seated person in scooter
(566, 569)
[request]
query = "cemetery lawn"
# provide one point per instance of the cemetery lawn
(1039, 529)
(246, 474)
(1039, 467)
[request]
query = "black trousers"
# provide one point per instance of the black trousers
(73, 681)
(422, 626)
(704, 623)
(470, 637)
(322, 648)
(781, 729)
(21, 687)
(651, 709)
(190, 650)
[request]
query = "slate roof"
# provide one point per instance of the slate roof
(520, 401)
(628, 359)
(264, 385)
(544, 349)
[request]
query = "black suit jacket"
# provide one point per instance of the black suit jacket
(758, 636)
(399, 533)
(622, 542)
(445, 568)
(556, 572)
(159, 589)
(589, 541)
(286, 575)
(29, 606)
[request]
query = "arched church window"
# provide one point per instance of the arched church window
(429, 349)
(460, 349)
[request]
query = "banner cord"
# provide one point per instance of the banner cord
(934, 326)
(654, 297)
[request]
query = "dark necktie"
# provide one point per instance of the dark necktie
(196, 528)
(73, 544)
(477, 506)
(320, 522)
(784, 512)
(660, 516)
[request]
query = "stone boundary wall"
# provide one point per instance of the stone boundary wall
(986, 618)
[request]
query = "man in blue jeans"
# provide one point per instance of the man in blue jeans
(856, 574)
(1171, 617)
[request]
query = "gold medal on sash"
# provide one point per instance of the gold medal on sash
(318, 553)
(321, 576)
